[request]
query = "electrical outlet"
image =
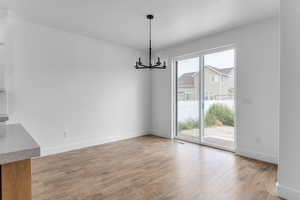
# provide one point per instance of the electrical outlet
(65, 134)
(247, 100)
(258, 140)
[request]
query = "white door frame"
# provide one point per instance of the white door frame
(201, 55)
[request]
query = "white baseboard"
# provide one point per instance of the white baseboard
(86, 143)
(239, 151)
(156, 133)
(287, 192)
(257, 155)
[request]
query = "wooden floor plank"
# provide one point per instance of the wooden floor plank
(16, 180)
(0, 183)
(152, 168)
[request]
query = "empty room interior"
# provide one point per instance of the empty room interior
(149, 100)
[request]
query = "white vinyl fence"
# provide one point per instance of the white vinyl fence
(188, 110)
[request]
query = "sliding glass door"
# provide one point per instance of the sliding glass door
(205, 98)
(188, 96)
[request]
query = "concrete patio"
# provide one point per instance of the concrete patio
(216, 135)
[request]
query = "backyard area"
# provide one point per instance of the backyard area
(218, 135)
(221, 132)
(218, 126)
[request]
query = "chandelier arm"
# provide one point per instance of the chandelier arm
(145, 67)
(142, 65)
(159, 66)
(162, 67)
(156, 65)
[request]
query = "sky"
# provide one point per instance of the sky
(223, 59)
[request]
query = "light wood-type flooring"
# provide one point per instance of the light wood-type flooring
(151, 168)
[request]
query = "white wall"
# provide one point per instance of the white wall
(258, 87)
(60, 81)
(289, 159)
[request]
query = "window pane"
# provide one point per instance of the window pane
(219, 94)
(188, 97)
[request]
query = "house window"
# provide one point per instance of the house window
(206, 95)
(215, 79)
(188, 97)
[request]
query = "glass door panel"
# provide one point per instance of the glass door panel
(188, 96)
(219, 98)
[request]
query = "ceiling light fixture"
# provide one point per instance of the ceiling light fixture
(158, 64)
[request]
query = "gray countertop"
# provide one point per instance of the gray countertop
(16, 144)
(3, 118)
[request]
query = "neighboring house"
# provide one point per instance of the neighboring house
(218, 84)
(188, 89)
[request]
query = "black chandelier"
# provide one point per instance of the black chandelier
(158, 64)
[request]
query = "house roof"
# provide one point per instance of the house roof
(186, 80)
(222, 71)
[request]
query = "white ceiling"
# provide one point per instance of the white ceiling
(123, 21)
